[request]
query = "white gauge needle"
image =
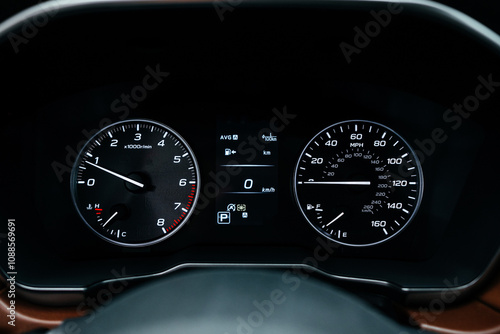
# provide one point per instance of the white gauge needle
(107, 221)
(335, 218)
(117, 175)
(348, 183)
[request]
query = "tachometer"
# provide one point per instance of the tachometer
(135, 183)
(358, 183)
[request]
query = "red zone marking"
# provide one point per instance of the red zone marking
(99, 211)
(190, 201)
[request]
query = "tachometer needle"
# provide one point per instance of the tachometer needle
(335, 219)
(348, 183)
(117, 175)
(107, 221)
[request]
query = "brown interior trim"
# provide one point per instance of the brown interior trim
(29, 316)
(480, 315)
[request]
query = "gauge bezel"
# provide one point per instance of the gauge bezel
(420, 185)
(84, 149)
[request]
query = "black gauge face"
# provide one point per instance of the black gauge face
(358, 183)
(135, 183)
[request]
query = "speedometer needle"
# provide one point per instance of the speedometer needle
(349, 183)
(117, 175)
(335, 219)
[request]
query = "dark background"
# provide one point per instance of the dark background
(485, 11)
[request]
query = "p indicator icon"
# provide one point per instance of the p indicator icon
(223, 217)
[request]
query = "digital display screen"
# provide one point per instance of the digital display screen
(247, 158)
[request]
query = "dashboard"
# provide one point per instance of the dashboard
(356, 141)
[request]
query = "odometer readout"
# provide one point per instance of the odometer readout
(358, 183)
(247, 170)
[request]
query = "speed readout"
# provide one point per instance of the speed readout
(358, 183)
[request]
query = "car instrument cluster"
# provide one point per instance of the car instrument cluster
(165, 136)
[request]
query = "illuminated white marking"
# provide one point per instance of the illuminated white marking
(385, 231)
(406, 211)
(192, 182)
(328, 135)
(310, 156)
(336, 218)
(411, 168)
(183, 209)
(413, 183)
(411, 197)
(137, 126)
(397, 222)
(166, 133)
(107, 221)
(404, 155)
(117, 175)
(90, 155)
(109, 134)
(163, 229)
(81, 182)
(185, 154)
(355, 127)
(384, 135)
(348, 183)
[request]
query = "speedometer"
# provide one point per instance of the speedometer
(358, 183)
